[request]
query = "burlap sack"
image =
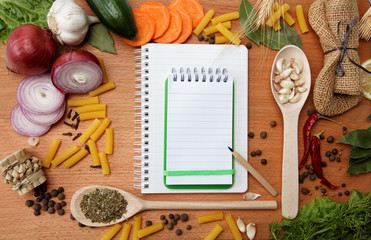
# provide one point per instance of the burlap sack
(332, 94)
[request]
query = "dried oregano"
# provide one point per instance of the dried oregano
(103, 205)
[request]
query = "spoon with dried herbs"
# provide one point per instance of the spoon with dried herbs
(289, 60)
(99, 206)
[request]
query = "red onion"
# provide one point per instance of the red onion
(37, 94)
(30, 50)
(24, 127)
(45, 119)
(77, 72)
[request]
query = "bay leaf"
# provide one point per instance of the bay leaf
(99, 37)
(359, 138)
(358, 152)
(266, 35)
(357, 166)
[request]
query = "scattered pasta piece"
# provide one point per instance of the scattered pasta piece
(89, 131)
(92, 108)
(125, 231)
(136, 226)
(104, 163)
(111, 232)
(51, 152)
(205, 20)
(101, 129)
(221, 39)
(102, 88)
(64, 155)
(82, 101)
(94, 152)
(210, 217)
(274, 18)
(301, 19)
(212, 29)
(233, 227)
(228, 34)
(225, 17)
(76, 158)
(214, 233)
(150, 230)
(109, 140)
(92, 115)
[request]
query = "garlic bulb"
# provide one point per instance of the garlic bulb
(68, 22)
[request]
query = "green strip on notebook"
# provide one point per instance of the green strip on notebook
(199, 172)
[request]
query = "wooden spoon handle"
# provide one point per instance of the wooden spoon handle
(290, 179)
(150, 205)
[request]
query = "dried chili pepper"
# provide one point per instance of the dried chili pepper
(306, 135)
(317, 161)
(312, 119)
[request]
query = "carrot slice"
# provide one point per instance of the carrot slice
(174, 29)
(186, 29)
(159, 14)
(192, 7)
(145, 28)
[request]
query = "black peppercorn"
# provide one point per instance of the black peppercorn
(212, 41)
(311, 171)
(332, 158)
(334, 151)
(54, 193)
(63, 203)
(343, 185)
(48, 196)
(51, 210)
(316, 187)
(60, 189)
(61, 196)
(174, 221)
(323, 190)
(148, 223)
(340, 194)
(81, 225)
(45, 208)
(165, 221)
(347, 192)
(263, 134)
(36, 213)
(176, 216)
(273, 123)
(51, 203)
(36, 194)
(39, 199)
(58, 206)
(60, 212)
(162, 217)
(170, 226)
(36, 207)
(301, 178)
(307, 166)
(263, 161)
(212, 36)
(200, 37)
(253, 153)
(45, 201)
(188, 227)
(251, 135)
(338, 160)
(305, 174)
(258, 152)
(312, 177)
(305, 191)
(72, 217)
(178, 232)
(171, 216)
(184, 217)
(324, 163)
(248, 45)
(330, 139)
(328, 153)
(29, 203)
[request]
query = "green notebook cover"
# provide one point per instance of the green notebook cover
(195, 172)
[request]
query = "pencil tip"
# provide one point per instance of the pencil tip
(230, 149)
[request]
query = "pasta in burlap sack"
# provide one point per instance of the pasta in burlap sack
(334, 94)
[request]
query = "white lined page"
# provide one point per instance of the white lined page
(199, 130)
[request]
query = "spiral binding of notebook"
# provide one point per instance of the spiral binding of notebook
(153, 64)
(141, 119)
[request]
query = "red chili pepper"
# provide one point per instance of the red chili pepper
(317, 161)
(306, 135)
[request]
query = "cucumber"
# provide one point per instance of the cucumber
(116, 15)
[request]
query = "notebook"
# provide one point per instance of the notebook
(198, 127)
(155, 62)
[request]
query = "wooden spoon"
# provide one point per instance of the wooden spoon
(290, 112)
(136, 205)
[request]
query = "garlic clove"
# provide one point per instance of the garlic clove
(294, 76)
(241, 225)
(251, 230)
(292, 94)
(284, 98)
(296, 98)
(286, 73)
(297, 65)
(249, 196)
(280, 65)
(284, 91)
(277, 79)
(276, 86)
(302, 89)
(299, 82)
(287, 83)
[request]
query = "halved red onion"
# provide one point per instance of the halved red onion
(45, 119)
(37, 94)
(77, 72)
(23, 126)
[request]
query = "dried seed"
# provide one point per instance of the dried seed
(67, 134)
(68, 124)
(184, 217)
(273, 123)
(69, 114)
(76, 137)
(263, 134)
(148, 223)
(178, 232)
(75, 116)
(248, 45)
(330, 139)
(305, 191)
(29, 203)
(263, 161)
(251, 135)
(200, 37)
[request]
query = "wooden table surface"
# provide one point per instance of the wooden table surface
(18, 222)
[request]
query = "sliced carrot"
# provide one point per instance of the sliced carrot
(192, 7)
(186, 28)
(159, 14)
(174, 29)
(145, 29)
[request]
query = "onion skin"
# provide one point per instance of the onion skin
(30, 50)
(75, 57)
